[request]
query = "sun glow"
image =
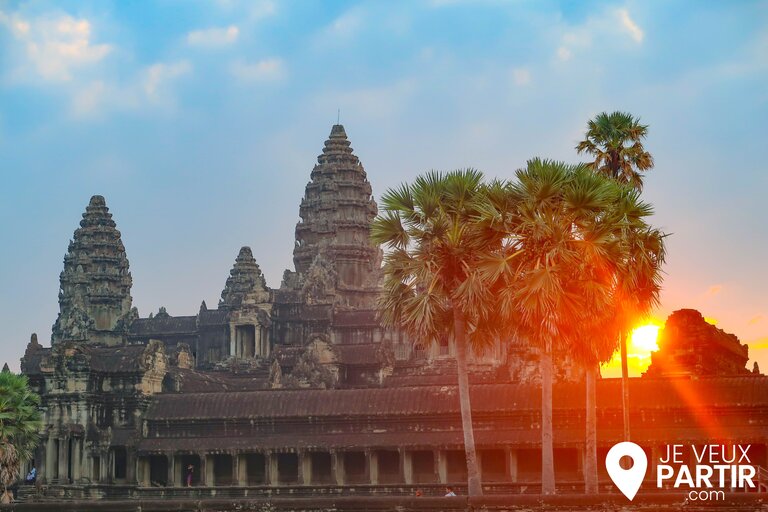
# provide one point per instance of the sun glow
(643, 338)
(642, 341)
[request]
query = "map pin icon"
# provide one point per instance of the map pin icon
(627, 480)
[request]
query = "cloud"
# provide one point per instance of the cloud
(150, 88)
(158, 76)
(756, 319)
(605, 28)
(630, 26)
(521, 76)
(53, 47)
(271, 69)
(713, 290)
(213, 37)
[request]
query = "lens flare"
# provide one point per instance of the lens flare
(644, 338)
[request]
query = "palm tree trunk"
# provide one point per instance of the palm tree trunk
(624, 386)
(590, 455)
(474, 486)
(547, 451)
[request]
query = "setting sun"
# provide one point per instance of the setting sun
(644, 337)
(642, 341)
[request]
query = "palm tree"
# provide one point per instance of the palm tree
(615, 142)
(556, 232)
(432, 285)
(632, 274)
(19, 426)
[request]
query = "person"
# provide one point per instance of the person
(31, 476)
(418, 493)
(190, 472)
(449, 492)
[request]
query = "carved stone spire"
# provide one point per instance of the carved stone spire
(336, 214)
(95, 285)
(245, 284)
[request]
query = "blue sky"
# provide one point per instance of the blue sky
(200, 123)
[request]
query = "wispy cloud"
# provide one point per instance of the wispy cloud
(266, 70)
(54, 47)
(158, 76)
(756, 319)
(630, 26)
(213, 37)
(613, 24)
(151, 89)
(346, 25)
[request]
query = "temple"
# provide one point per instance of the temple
(300, 390)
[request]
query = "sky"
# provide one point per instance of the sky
(201, 121)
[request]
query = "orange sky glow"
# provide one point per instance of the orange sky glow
(642, 342)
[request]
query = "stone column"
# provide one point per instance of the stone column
(337, 466)
(273, 476)
(442, 466)
(105, 466)
(130, 466)
(241, 476)
(170, 477)
(373, 466)
(142, 471)
(305, 468)
(51, 457)
(232, 340)
(63, 460)
(512, 464)
(406, 466)
(208, 473)
(77, 457)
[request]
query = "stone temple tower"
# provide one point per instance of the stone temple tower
(334, 257)
(95, 289)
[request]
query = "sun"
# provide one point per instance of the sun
(644, 338)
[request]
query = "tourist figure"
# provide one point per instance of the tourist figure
(31, 476)
(418, 493)
(449, 491)
(190, 472)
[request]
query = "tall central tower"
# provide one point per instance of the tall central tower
(95, 285)
(333, 247)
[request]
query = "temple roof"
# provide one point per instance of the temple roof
(164, 325)
(438, 400)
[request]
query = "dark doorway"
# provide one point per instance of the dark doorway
(321, 472)
(567, 464)
(222, 470)
(389, 467)
(423, 463)
(355, 468)
(158, 471)
(493, 465)
(456, 462)
(184, 462)
(529, 465)
(287, 468)
(254, 465)
(121, 462)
